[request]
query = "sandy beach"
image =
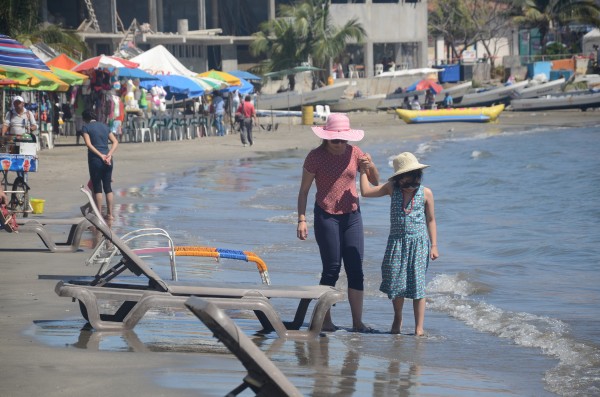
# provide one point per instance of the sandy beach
(30, 368)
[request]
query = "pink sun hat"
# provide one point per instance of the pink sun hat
(338, 127)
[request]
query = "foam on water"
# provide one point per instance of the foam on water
(578, 361)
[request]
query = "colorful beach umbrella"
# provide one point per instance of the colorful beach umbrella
(177, 86)
(15, 54)
(62, 61)
(244, 88)
(245, 75)
(222, 76)
(135, 73)
(211, 84)
(34, 80)
(69, 76)
(104, 62)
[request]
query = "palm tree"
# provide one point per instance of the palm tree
(550, 15)
(303, 33)
(62, 40)
(20, 20)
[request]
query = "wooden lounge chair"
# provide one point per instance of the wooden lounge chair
(263, 377)
(150, 291)
(39, 226)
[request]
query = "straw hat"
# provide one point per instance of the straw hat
(338, 127)
(406, 162)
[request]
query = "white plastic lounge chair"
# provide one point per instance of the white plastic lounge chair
(151, 291)
(38, 225)
(104, 253)
(263, 377)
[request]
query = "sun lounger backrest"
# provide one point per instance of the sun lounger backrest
(130, 259)
(91, 204)
(264, 378)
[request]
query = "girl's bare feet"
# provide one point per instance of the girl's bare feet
(396, 325)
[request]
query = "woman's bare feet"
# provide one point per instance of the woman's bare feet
(329, 328)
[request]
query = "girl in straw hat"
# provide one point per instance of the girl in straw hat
(413, 237)
(333, 167)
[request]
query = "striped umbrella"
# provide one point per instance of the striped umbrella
(13, 53)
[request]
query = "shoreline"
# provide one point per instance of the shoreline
(27, 287)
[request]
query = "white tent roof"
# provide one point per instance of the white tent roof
(158, 60)
(589, 39)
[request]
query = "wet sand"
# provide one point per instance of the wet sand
(27, 295)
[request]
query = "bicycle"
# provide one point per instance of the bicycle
(18, 154)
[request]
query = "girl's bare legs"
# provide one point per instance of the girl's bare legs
(397, 324)
(109, 205)
(419, 308)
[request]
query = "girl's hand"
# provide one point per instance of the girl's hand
(433, 254)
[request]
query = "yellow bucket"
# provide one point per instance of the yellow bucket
(308, 115)
(37, 205)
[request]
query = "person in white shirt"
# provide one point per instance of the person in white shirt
(18, 120)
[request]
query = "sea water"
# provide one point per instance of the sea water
(512, 305)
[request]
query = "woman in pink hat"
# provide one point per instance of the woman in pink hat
(333, 166)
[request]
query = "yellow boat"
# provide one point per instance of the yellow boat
(482, 115)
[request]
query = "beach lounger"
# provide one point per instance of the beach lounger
(104, 253)
(263, 377)
(150, 291)
(39, 226)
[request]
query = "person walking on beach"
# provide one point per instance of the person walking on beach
(413, 237)
(333, 166)
(219, 108)
(248, 113)
(96, 136)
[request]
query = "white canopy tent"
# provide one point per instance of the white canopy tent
(158, 60)
(590, 39)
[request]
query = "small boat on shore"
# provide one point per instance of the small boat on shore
(293, 99)
(534, 90)
(395, 101)
(583, 100)
(368, 103)
(480, 114)
(456, 92)
(492, 96)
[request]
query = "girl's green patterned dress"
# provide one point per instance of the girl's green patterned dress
(407, 253)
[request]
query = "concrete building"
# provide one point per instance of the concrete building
(206, 34)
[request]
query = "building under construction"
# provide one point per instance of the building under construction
(205, 34)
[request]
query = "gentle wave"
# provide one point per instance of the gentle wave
(579, 362)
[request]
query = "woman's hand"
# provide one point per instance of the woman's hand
(365, 163)
(107, 159)
(302, 230)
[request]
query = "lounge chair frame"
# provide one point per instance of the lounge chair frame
(135, 299)
(38, 226)
(263, 377)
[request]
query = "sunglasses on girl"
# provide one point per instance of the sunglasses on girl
(337, 141)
